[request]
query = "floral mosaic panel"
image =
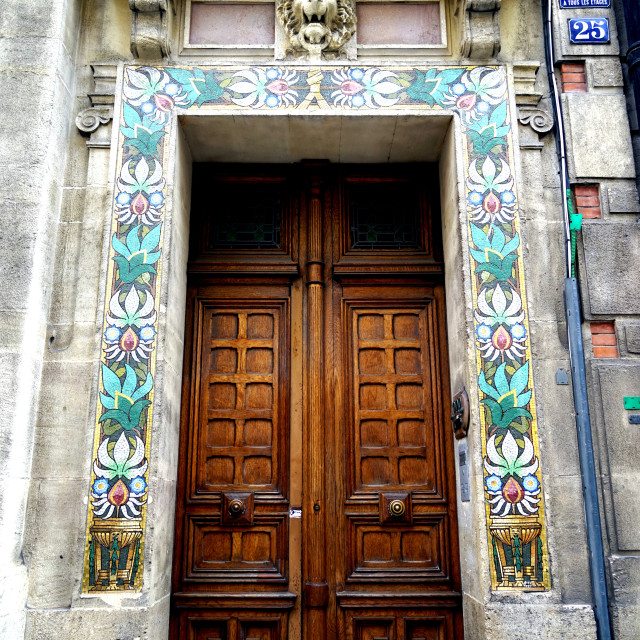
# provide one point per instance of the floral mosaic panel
(120, 471)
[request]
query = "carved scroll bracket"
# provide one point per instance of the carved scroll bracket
(528, 100)
(480, 22)
(88, 120)
(150, 24)
(539, 120)
(101, 110)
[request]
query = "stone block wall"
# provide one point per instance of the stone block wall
(57, 196)
(37, 70)
(603, 174)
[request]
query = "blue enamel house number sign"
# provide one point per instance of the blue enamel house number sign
(589, 30)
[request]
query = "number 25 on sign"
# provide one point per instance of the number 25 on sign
(589, 30)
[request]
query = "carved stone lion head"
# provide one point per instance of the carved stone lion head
(315, 27)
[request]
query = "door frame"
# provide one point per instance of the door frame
(451, 219)
(453, 160)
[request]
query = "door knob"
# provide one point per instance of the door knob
(236, 508)
(397, 508)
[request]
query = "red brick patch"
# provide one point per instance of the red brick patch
(587, 199)
(605, 352)
(573, 67)
(603, 338)
(603, 327)
(573, 77)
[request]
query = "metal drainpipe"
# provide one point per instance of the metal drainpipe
(632, 21)
(576, 357)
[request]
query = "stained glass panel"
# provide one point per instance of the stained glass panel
(247, 215)
(384, 216)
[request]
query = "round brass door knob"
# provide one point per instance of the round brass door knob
(397, 508)
(236, 508)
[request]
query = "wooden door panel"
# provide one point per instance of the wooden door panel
(254, 630)
(233, 554)
(403, 624)
(241, 393)
(412, 553)
(232, 627)
(432, 629)
(374, 629)
(395, 432)
(209, 631)
(237, 426)
(393, 379)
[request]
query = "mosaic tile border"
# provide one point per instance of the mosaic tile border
(120, 470)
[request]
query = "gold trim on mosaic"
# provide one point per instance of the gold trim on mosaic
(517, 550)
(114, 554)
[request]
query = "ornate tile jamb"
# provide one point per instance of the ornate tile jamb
(118, 486)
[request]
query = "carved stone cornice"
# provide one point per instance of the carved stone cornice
(100, 112)
(480, 26)
(524, 80)
(150, 28)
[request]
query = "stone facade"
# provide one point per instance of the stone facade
(83, 74)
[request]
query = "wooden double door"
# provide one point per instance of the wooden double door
(316, 489)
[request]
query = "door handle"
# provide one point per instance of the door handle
(395, 508)
(237, 508)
